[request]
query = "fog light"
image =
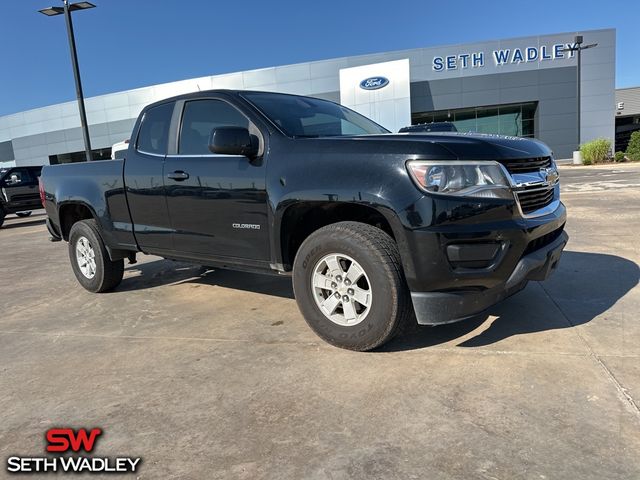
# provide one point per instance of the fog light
(472, 255)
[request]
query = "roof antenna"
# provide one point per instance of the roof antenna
(198, 85)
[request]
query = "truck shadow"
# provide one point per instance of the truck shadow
(164, 272)
(584, 286)
(15, 222)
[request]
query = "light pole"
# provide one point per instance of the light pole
(578, 47)
(66, 9)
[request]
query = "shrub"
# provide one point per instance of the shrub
(633, 149)
(595, 151)
(619, 157)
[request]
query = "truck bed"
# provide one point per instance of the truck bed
(99, 186)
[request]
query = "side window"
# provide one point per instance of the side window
(154, 130)
(199, 118)
(120, 153)
(18, 176)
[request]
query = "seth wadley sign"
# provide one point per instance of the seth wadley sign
(503, 56)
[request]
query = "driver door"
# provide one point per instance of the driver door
(217, 203)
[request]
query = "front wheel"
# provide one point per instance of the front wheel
(350, 287)
(90, 260)
(23, 214)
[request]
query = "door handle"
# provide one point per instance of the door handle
(178, 175)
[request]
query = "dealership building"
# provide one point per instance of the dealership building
(521, 86)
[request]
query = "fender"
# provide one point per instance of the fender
(114, 253)
(384, 206)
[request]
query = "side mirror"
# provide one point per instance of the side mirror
(233, 141)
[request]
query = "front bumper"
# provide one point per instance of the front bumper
(434, 308)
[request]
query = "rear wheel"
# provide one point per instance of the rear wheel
(2, 214)
(23, 214)
(350, 287)
(90, 260)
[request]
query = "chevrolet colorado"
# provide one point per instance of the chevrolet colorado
(376, 229)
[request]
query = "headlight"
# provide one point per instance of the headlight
(481, 179)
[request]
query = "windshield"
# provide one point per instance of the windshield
(311, 117)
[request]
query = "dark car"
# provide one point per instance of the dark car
(372, 226)
(429, 127)
(19, 191)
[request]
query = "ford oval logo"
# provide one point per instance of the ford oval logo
(374, 83)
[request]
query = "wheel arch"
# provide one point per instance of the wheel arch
(72, 212)
(301, 219)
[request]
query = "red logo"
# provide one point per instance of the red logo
(65, 439)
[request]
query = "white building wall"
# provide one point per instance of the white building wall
(389, 105)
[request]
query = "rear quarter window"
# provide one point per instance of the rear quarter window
(154, 129)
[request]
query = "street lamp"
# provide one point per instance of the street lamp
(66, 9)
(578, 47)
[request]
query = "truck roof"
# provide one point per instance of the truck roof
(230, 92)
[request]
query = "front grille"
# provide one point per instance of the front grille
(526, 165)
(543, 241)
(535, 198)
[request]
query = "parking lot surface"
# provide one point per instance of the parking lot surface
(214, 374)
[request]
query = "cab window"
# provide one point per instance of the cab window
(18, 176)
(154, 129)
(199, 118)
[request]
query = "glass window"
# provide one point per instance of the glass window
(154, 130)
(120, 153)
(527, 128)
(422, 118)
(442, 117)
(512, 119)
(19, 176)
(73, 157)
(312, 117)
(199, 119)
(528, 111)
(487, 120)
(465, 120)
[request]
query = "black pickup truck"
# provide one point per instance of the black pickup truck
(374, 227)
(19, 191)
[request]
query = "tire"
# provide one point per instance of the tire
(23, 214)
(85, 243)
(381, 284)
(2, 215)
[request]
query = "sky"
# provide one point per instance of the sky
(125, 44)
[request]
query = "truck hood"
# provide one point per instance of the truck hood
(459, 145)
